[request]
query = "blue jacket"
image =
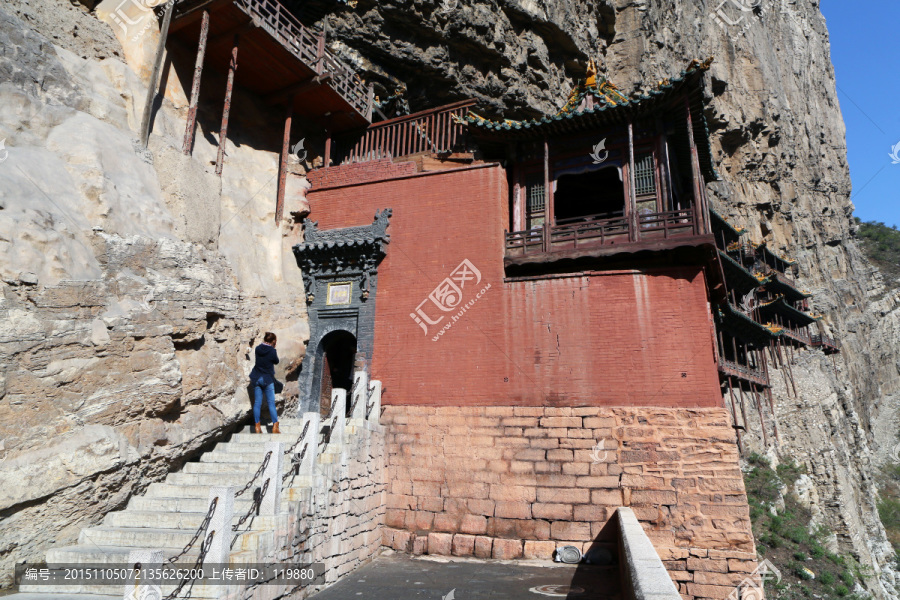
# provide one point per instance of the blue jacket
(266, 359)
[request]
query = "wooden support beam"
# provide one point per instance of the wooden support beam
(154, 76)
(631, 207)
(282, 164)
(226, 109)
(549, 217)
(191, 126)
(772, 408)
(699, 204)
(298, 89)
(762, 419)
(229, 35)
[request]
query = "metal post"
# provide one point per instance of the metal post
(282, 164)
(154, 76)
(191, 126)
(226, 110)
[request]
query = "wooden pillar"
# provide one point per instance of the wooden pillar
(154, 76)
(549, 209)
(282, 164)
(631, 208)
(700, 215)
(191, 126)
(370, 102)
(226, 110)
(326, 161)
(518, 214)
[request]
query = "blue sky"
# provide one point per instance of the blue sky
(865, 49)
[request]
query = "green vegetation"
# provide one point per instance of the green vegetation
(882, 245)
(889, 504)
(783, 537)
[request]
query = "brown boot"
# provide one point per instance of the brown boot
(275, 427)
(258, 428)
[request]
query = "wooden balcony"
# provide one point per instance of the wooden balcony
(278, 58)
(602, 235)
(729, 368)
(827, 344)
(438, 131)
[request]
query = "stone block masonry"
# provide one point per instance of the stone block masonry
(516, 482)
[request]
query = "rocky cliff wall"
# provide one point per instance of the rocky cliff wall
(135, 283)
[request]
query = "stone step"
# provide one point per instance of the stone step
(96, 554)
(285, 428)
(215, 479)
(168, 490)
(86, 590)
(136, 537)
(173, 520)
(226, 467)
(61, 595)
(260, 438)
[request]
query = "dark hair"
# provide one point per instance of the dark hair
(269, 338)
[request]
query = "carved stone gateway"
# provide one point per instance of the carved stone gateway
(340, 276)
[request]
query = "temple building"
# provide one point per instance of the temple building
(561, 322)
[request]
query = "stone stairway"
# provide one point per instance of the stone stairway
(168, 515)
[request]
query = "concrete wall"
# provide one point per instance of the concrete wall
(512, 482)
(605, 338)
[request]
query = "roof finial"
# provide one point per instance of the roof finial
(591, 78)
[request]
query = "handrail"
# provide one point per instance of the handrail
(730, 367)
(436, 130)
(590, 230)
(309, 47)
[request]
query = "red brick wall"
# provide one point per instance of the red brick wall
(610, 338)
(373, 170)
(512, 482)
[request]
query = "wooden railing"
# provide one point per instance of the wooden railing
(309, 47)
(433, 131)
(592, 230)
(800, 335)
(824, 341)
(734, 369)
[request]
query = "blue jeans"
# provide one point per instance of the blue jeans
(269, 389)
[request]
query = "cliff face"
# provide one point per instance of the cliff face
(134, 284)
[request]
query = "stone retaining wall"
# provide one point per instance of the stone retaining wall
(516, 482)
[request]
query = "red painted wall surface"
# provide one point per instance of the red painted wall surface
(612, 338)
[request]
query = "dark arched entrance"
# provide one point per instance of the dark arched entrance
(336, 355)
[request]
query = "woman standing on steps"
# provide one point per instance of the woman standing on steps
(262, 379)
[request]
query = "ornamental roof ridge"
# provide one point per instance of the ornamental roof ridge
(601, 89)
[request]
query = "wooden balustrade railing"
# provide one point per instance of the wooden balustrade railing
(735, 369)
(590, 230)
(433, 131)
(309, 47)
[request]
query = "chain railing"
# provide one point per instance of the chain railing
(197, 564)
(299, 439)
(256, 475)
(295, 465)
(353, 393)
(203, 526)
(252, 512)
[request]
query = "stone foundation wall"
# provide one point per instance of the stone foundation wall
(516, 482)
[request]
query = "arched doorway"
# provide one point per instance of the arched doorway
(336, 354)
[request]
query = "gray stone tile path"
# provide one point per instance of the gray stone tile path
(403, 577)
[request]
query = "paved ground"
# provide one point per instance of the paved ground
(402, 577)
